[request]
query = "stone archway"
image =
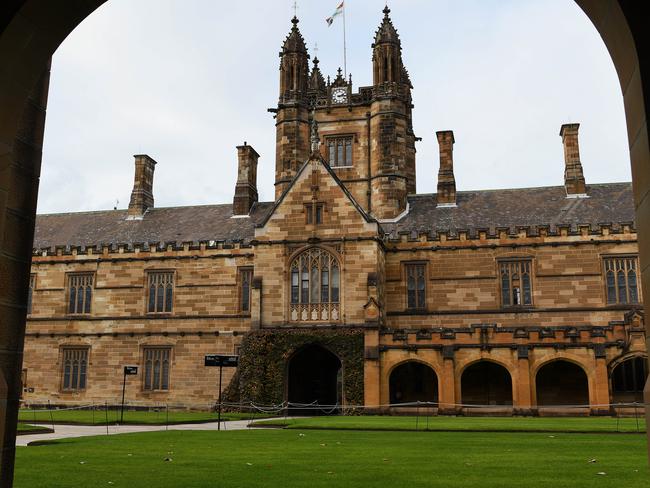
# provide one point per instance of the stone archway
(562, 383)
(487, 384)
(411, 382)
(628, 378)
(313, 378)
(30, 32)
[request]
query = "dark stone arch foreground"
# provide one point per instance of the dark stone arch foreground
(30, 32)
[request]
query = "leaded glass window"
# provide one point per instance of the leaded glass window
(516, 283)
(161, 292)
(75, 368)
(30, 296)
(621, 280)
(245, 282)
(80, 293)
(415, 286)
(156, 368)
(340, 151)
(315, 284)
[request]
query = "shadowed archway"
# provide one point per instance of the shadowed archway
(413, 382)
(562, 383)
(313, 377)
(487, 384)
(628, 378)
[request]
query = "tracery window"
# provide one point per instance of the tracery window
(415, 286)
(75, 367)
(340, 151)
(315, 286)
(156, 368)
(161, 291)
(245, 282)
(621, 280)
(30, 296)
(516, 283)
(630, 376)
(80, 293)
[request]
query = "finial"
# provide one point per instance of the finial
(339, 71)
(315, 141)
(386, 10)
(295, 21)
(350, 78)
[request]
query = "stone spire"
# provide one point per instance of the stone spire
(316, 80)
(294, 43)
(387, 34)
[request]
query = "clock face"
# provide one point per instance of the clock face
(339, 95)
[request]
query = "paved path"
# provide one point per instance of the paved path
(65, 431)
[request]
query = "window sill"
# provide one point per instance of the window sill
(517, 308)
(342, 167)
(159, 314)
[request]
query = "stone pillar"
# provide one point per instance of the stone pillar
(600, 398)
(446, 196)
(523, 403)
(371, 369)
(574, 179)
(142, 193)
(19, 178)
(246, 187)
(447, 393)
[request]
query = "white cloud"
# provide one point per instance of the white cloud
(188, 81)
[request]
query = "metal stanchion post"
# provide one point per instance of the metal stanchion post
(106, 412)
(49, 406)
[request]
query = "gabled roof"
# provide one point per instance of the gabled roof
(317, 157)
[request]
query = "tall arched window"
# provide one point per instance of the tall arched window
(315, 279)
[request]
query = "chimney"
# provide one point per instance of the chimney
(574, 179)
(142, 194)
(446, 181)
(246, 187)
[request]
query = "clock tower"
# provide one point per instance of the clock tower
(366, 136)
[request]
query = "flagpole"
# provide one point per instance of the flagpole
(345, 61)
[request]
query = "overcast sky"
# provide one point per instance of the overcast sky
(186, 81)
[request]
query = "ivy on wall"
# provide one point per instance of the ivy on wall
(264, 356)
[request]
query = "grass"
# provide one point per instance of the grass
(289, 458)
(31, 429)
(445, 423)
(98, 417)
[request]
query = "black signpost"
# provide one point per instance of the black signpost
(223, 361)
(128, 370)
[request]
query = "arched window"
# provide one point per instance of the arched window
(315, 278)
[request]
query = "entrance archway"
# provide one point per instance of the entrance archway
(314, 377)
(628, 378)
(486, 383)
(561, 383)
(413, 382)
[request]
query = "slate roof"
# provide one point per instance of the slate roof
(159, 225)
(609, 203)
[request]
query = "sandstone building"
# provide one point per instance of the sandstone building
(350, 288)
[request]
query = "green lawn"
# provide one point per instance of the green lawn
(290, 458)
(32, 429)
(445, 423)
(98, 417)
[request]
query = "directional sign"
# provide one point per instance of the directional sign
(226, 361)
(130, 370)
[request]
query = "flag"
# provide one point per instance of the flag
(337, 12)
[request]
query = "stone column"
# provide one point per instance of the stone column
(447, 396)
(523, 403)
(19, 178)
(371, 369)
(600, 396)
